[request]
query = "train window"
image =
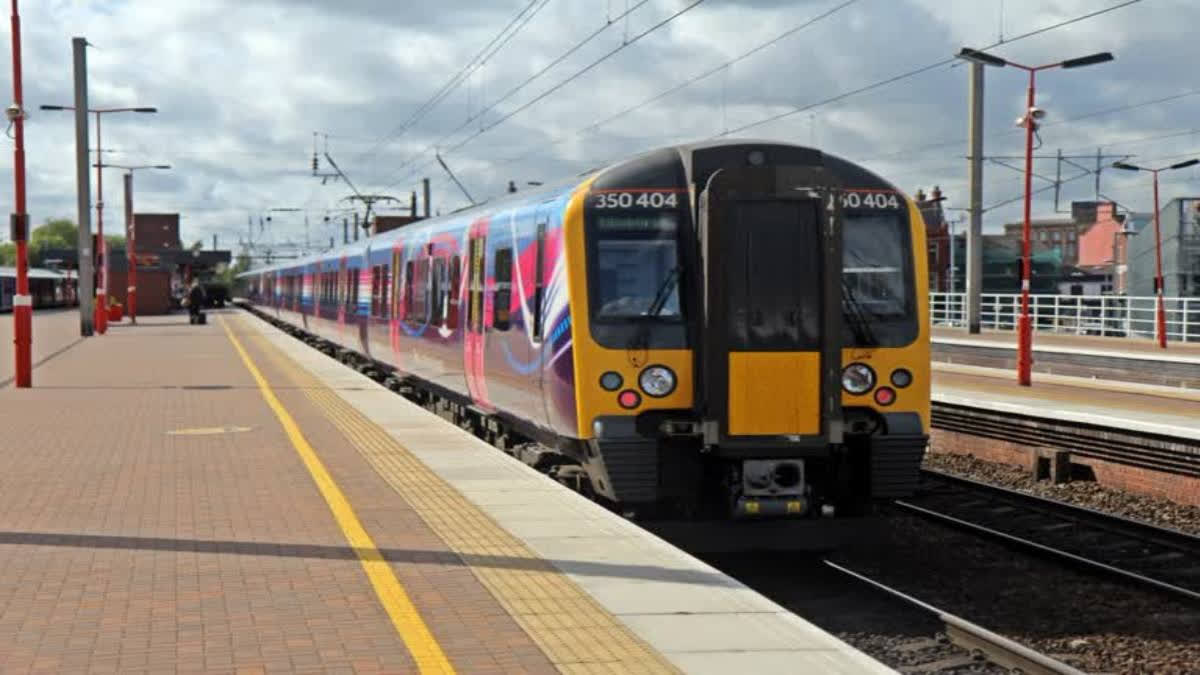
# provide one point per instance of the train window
(452, 301)
(502, 300)
(408, 290)
(539, 263)
(375, 290)
(436, 284)
(637, 265)
(384, 286)
(395, 279)
(878, 303)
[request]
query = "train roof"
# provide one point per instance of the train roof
(34, 273)
(851, 173)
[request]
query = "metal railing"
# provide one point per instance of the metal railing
(1104, 315)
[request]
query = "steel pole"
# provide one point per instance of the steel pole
(101, 245)
(974, 276)
(130, 252)
(1160, 322)
(83, 188)
(1024, 327)
(22, 302)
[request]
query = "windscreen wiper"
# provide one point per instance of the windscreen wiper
(664, 292)
(859, 323)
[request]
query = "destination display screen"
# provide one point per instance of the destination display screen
(650, 223)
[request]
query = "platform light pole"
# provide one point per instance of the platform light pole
(101, 311)
(1030, 122)
(19, 223)
(130, 233)
(1160, 310)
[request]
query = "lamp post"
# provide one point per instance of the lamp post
(101, 312)
(130, 235)
(1030, 122)
(19, 224)
(1160, 311)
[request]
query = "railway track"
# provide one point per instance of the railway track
(1159, 558)
(982, 645)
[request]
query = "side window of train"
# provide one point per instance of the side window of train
(408, 290)
(374, 290)
(502, 302)
(385, 284)
(435, 291)
(539, 283)
(452, 291)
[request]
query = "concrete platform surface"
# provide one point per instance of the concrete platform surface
(1139, 407)
(222, 498)
(1088, 345)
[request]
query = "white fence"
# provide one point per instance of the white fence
(1106, 315)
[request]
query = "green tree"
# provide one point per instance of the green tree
(8, 254)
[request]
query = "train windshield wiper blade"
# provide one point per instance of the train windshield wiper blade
(664, 292)
(859, 323)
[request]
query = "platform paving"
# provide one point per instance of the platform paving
(1135, 347)
(154, 516)
(54, 332)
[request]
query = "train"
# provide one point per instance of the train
(724, 330)
(47, 288)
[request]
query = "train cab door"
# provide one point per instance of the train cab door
(770, 351)
(479, 312)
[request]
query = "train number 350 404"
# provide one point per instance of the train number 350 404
(636, 200)
(870, 200)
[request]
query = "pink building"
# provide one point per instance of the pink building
(1103, 251)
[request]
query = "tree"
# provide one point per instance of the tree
(8, 254)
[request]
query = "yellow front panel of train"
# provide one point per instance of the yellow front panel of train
(774, 393)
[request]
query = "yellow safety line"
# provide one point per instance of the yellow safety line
(408, 623)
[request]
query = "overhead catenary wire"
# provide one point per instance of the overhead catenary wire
(918, 71)
(694, 79)
(457, 79)
(529, 80)
(574, 76)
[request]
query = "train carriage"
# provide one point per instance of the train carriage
(720, 329)
(47, 288)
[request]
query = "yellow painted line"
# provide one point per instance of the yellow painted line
(408, 623)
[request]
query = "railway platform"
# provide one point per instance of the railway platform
(1105, 358)
(222, 498)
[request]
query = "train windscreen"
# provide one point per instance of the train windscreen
(637, 266)
(878, 299)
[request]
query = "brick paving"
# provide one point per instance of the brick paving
(154, 517)
(54, 332)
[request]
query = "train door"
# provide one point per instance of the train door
(771, 352)
(479, 312)
(542, 350)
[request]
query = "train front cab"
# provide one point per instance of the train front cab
(757, 422)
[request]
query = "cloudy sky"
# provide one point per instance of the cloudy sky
(242, 85)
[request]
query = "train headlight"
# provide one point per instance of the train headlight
(901, 377)
(657, 381)
(858, 378)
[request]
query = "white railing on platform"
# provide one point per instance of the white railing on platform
(1105, 315)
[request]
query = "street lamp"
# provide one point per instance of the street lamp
(101, 312)
(1160, 322)
(130, 232)
(1030, 121)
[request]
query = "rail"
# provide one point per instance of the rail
(1134, 551)
(996, 648)
(1103, 315)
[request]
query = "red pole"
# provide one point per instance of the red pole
(101, 248)
(1160, 327)
(22, 303)
(1024, 328)
(130, 241)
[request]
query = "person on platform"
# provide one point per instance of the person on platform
(196, 297)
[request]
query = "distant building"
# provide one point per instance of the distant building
(1179, 222)
(1100, 267)
(164, 269)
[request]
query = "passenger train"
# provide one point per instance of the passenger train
(733, 329)
(47, 288)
